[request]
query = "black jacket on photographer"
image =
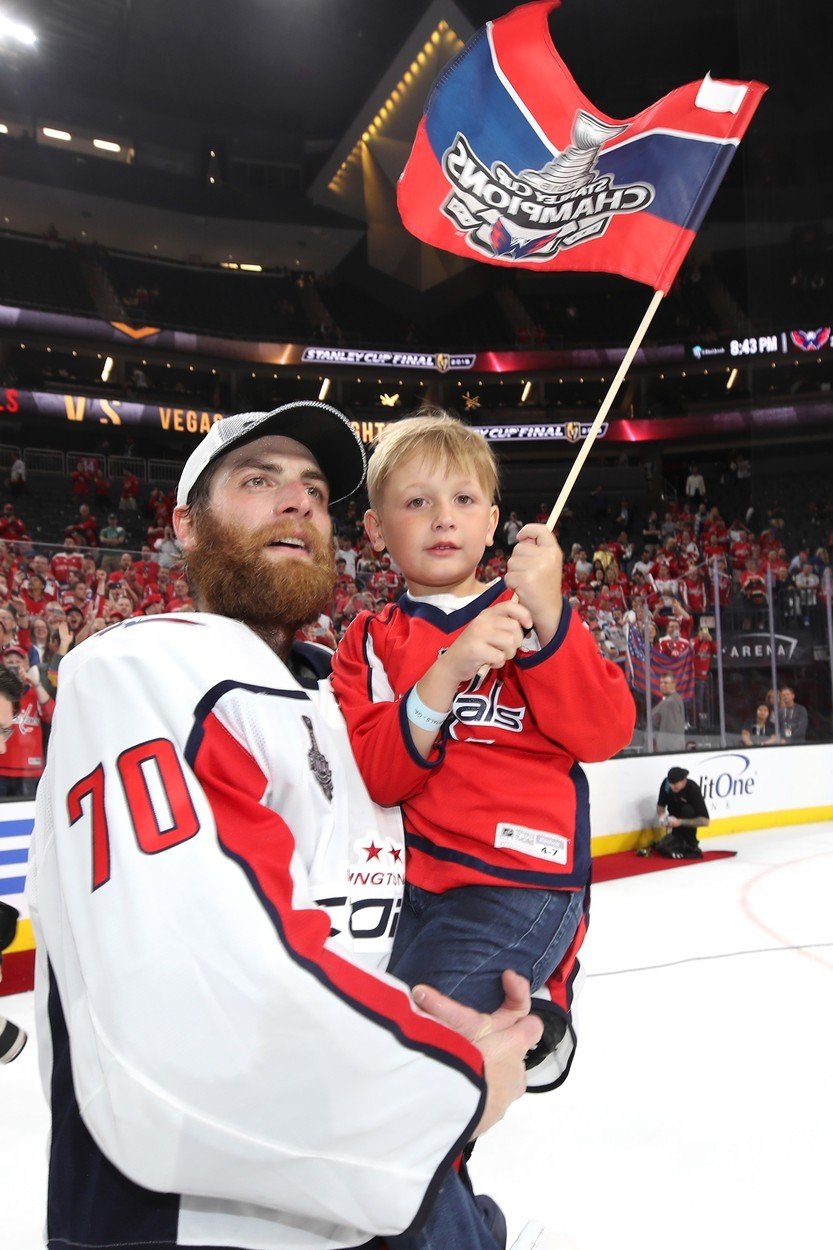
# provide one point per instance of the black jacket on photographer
(686, 805)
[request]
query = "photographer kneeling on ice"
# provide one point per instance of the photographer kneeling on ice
(682, 809)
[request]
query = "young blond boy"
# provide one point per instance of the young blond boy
(477, 730)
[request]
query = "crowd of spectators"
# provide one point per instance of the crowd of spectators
(657, 575)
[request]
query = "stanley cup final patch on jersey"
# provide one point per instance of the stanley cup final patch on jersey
(532, 214)
(538, 843)
(319, 767)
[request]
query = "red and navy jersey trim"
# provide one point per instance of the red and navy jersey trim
(531, 659)
(261, 843)
(450, 622)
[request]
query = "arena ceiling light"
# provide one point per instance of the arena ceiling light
(12, 32)
(325, 389)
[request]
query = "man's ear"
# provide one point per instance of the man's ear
(373, 529)
(183, 521)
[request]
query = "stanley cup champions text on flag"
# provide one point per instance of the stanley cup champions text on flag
(513, 165)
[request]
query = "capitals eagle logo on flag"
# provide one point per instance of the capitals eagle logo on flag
(513, 165)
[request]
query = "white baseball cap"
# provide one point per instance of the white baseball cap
(322, 429)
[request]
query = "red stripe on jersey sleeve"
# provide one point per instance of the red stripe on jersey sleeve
(263, 844)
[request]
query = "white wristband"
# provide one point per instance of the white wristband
(422, 716)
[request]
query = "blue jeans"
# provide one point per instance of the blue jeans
(455, 1222)
(460, 942)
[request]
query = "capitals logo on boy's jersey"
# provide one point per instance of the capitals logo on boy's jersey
(474, 708)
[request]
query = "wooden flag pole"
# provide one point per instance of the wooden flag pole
(584, 451)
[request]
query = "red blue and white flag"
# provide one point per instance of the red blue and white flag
(514, 166)
(680, 667)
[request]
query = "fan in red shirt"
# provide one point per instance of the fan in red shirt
(753, 583)
(22, 762)
(84, 529)
(672, 643)
(12, 528)
(704, 649)
(693, 590)
(129, 491)
(778, 561)
(34, 594)
(770, 539)
(181, 600)
(386, 582)
(724, 584)
(613, 591)
(80, 484)
(146, 567)
(741, 549)
(63, 561)
(153, 604)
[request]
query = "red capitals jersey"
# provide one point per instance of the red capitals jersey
(704, 649)
(24, 756)
(63, 561)
(724, 588)
(694, 593)
(674, 647)
(501, 800)
(35, 606)
(741, 551)
(753, 585)
(384, 580)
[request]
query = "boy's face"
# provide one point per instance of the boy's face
(436, 525)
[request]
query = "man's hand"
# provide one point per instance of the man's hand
(503, 1038)
(534, 573)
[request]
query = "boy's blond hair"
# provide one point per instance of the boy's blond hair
(438, 439)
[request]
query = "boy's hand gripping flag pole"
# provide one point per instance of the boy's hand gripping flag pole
(512, 165)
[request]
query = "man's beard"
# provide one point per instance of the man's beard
(235, 577)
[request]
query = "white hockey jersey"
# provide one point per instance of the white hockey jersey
(210, 885)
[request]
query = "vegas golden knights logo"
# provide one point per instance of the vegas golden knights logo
(443, 362)
(573, 431)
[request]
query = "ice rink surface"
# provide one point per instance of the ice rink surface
(699, 1112)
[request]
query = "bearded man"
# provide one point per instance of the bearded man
(213, 894)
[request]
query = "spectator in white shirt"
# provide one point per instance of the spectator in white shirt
(695, 486)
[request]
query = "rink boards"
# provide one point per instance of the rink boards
(761, 788)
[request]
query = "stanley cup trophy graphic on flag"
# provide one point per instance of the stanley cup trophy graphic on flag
(512, 165)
